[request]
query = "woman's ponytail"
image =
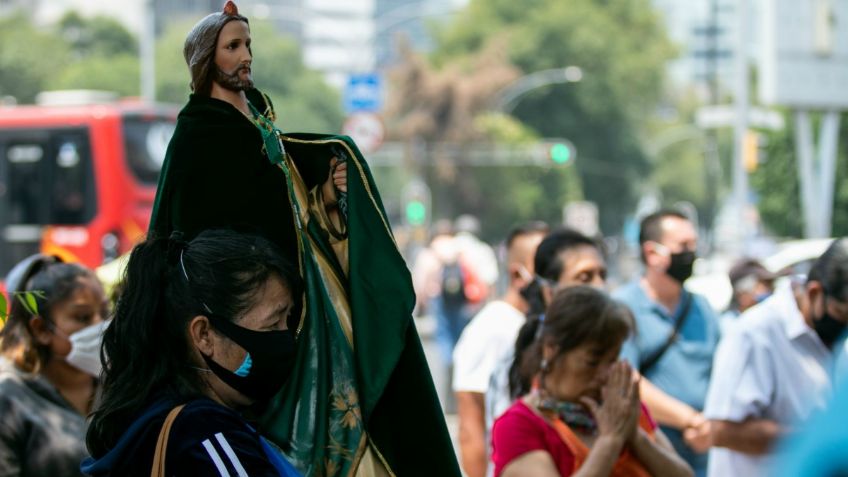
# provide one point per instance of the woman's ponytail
(522, 370)
(142, 325)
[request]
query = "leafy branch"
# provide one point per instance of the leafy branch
(27, 299)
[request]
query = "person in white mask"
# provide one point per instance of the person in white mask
(49, 363)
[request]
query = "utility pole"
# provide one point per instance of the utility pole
(740, 124)
(148, 53)
(713, 165)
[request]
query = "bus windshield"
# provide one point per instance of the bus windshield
(146, 140)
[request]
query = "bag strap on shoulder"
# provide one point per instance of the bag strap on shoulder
(680, 319)
(158, 468)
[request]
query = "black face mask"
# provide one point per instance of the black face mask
(828, 328)
(267, 366)
(532, 294)
(681, 265)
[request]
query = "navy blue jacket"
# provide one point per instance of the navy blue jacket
(206, 439)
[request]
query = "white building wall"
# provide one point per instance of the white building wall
(338, 37)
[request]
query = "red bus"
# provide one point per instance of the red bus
(79, 180)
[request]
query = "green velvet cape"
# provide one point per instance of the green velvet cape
(216, 175)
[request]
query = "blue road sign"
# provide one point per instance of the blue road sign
(363, 93)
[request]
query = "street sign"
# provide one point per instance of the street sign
(366, 129)
(581, 216)
(721, 116)
(805, 54)
(363, 93)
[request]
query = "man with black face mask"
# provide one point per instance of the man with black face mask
(677, 333)
(775, 370)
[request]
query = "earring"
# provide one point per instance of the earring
(544, 366)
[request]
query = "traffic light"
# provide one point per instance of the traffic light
(416, 212)
(415, 203)
(751, 151)
(560, 153)
(557, 151)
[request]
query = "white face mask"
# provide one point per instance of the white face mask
(85, 348)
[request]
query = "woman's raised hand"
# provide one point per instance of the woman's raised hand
(618, 414)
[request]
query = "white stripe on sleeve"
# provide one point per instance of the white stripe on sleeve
(231, 454)
(213, 454)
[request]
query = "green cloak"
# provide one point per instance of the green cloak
(362, 396)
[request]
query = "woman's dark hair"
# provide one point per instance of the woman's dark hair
(549, 264)
(831, 270)
(578, 315)
(167, 283)
(51, 282)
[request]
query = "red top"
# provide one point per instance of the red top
(520, 430)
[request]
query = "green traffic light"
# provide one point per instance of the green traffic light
(416, 212)
(560, 153)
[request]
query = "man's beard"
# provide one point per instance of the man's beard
(232, 81)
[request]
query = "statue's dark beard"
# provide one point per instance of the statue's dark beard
(232, 81)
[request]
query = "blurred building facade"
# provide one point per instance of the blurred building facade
(704, 32)
(412, 20)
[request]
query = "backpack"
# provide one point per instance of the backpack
(460, 285)
(453, 284)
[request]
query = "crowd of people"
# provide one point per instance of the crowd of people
(264, 328)
(591, 371)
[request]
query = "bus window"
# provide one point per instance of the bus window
(23, 187)
(26, 184)
(73, 200)
(49, 180)
(146, 141)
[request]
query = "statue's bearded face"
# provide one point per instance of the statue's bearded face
(233, 57)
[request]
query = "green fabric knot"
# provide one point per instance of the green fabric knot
(272, 144)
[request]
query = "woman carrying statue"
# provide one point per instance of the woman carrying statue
(360, 367)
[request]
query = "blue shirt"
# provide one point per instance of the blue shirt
(684, 370)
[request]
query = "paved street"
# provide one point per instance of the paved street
(426, 327)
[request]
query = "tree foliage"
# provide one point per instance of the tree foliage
(303, 101)
(96, 36)
(690, 164)
(104, 56)
(118, 73)
(603, 115)
(777, 186)
(445, 111)
(29, 58)
(99, 53)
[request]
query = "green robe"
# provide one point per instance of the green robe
(362, 390)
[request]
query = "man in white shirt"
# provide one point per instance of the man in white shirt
(493, 329)
(774, 368)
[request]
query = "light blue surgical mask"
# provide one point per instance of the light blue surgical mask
(244, 369)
